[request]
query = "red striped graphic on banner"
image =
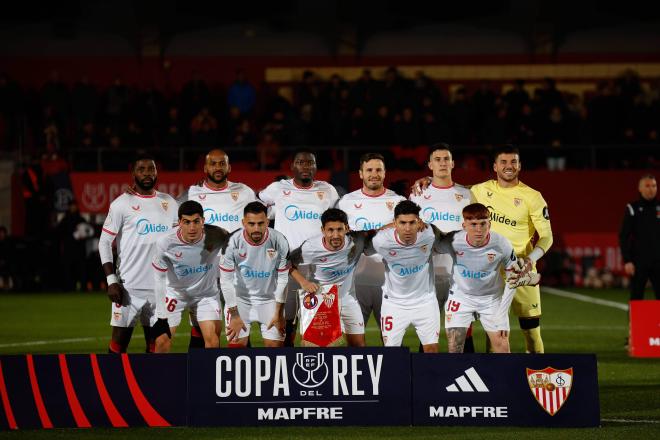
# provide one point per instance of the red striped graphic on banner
(149, 414)
(36, 392)
(6, 404)
(115, 418)
(77, 411)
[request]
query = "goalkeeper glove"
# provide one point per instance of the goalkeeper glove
(523, 279)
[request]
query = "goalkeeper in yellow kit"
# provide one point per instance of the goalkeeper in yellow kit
(520, 214)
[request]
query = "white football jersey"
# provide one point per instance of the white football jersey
(369, 212)
(478, 270)
(298, 210)
(443, 207)
(409, 275)
(137, 222)
(255, 266)
(332, 267)
(223, 207)
(190, 268)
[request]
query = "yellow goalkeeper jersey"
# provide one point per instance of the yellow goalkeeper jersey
(516, 213)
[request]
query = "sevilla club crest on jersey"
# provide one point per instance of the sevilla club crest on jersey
(459, 197)
(491, 257)
(271, 253)
(320, 194)
(517, 202)
(550, 387)
(164, 205)
(390, 205)
(234, 195)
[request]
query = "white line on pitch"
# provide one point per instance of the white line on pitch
(629, 421)
(53, 341)
(586, 298)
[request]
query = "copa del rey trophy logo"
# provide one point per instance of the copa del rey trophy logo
(550, 387)
(319, 316)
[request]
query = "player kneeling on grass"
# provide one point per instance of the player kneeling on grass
(335, 253)
(478, 290)
(253, 274)
(185, 272)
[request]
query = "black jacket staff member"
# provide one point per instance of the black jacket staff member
(639, 239)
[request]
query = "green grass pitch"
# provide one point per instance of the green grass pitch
(42, 323)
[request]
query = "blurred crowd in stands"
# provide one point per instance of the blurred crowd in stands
(393, 111)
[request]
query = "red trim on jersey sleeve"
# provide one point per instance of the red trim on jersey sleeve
(109, 232)
(224, 269)
(284, 269)
(158, 268)
(375, 195)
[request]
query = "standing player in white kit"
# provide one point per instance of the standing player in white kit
(223, 202)
(297, 205)
(370, 207)
(135, 221)
(478, 291)
(442, 203)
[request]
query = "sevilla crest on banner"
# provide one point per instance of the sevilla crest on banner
(320, 323)
(550, 387)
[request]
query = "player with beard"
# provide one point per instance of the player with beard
(223, 202)
(370, 207)
(297, 205)
(135, 221)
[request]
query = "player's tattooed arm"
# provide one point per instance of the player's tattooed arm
(216, 237)
(456, 339)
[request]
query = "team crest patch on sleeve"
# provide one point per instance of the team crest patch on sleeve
(164, 205)
(234, 195)
(320, 195)
(271, 253)
(459, 197)
(550, 387)
(517, 201)
(491, 257)
(390, 205)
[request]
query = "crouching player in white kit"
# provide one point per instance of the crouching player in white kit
(478, 290)
(409, 292)
(253, 274)
(186, 278)
(335, 254)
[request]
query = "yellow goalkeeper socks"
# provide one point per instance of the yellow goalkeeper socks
(533, 341)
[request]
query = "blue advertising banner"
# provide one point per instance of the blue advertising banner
(299, 386)
(513, 389)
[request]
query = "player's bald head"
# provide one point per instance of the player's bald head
(216, 155)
